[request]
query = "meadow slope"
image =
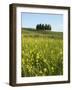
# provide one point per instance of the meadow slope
(42, 53)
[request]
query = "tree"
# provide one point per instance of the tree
(40, 26)
(37, 26)
(43, 27)
(49, 27)
(46, 27)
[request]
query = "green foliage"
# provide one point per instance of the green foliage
(43, 27)
(41, 55)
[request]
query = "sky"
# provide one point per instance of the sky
(30, 20)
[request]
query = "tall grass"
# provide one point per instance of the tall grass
(42, 54)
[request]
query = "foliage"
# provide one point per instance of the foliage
(42, 55)
(43, 27)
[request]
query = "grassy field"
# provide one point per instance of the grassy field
(42, 53)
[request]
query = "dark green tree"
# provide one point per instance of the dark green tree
(40, 26)
(46, 26)
(37, 26)
(49, 27)
(43, 27)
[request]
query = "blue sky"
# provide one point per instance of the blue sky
(30, 20)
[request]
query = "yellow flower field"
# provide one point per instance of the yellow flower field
(42, 53)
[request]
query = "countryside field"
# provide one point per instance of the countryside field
(42, 53)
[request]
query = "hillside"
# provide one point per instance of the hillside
(41, 33)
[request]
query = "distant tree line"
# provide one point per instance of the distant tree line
(43, 27)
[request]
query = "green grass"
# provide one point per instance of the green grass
(42, 53)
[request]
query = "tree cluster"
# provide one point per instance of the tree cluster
(43, 27)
